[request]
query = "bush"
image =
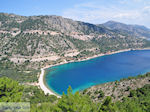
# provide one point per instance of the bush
(10, 90)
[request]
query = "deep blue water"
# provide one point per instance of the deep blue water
(81, 75)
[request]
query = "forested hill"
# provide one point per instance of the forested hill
(47, 36)
(137, 99)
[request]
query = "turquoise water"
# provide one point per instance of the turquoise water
(81, 75)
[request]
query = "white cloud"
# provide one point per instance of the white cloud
(99, 12)
(127, 15)
(146, 9)
(137, 0)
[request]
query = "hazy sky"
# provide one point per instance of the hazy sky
(93, 11)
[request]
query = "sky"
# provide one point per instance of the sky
(92, 11)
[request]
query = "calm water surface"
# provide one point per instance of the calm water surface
(81, 75)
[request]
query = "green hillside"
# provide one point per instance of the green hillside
(137, 101)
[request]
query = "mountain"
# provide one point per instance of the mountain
(54, 38)
(132, 30)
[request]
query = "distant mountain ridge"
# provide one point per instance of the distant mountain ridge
(133, 30)
(55, 38)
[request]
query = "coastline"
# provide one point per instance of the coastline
(43, 85)
(47, 90)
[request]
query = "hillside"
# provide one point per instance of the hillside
(137, 100)
(53, 39)
(29, 43)
(132, 30)
(117, 89)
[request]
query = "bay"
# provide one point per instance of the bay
(84, 74)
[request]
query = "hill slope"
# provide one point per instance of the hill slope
(51, 38)
(132, 30)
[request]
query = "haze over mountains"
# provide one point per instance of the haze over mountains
(133, 30)
(47, 36)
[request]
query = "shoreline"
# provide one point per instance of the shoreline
(47, 90)
(43, 85)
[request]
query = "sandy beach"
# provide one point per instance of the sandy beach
(43, 86)
(41, 78)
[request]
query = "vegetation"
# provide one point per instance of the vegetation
(26, 37)
(10, 91)
(17, 72)
(31, 36)
(117, 89)
(34, 95)
(137, 101)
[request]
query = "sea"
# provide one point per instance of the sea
(84, 74)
